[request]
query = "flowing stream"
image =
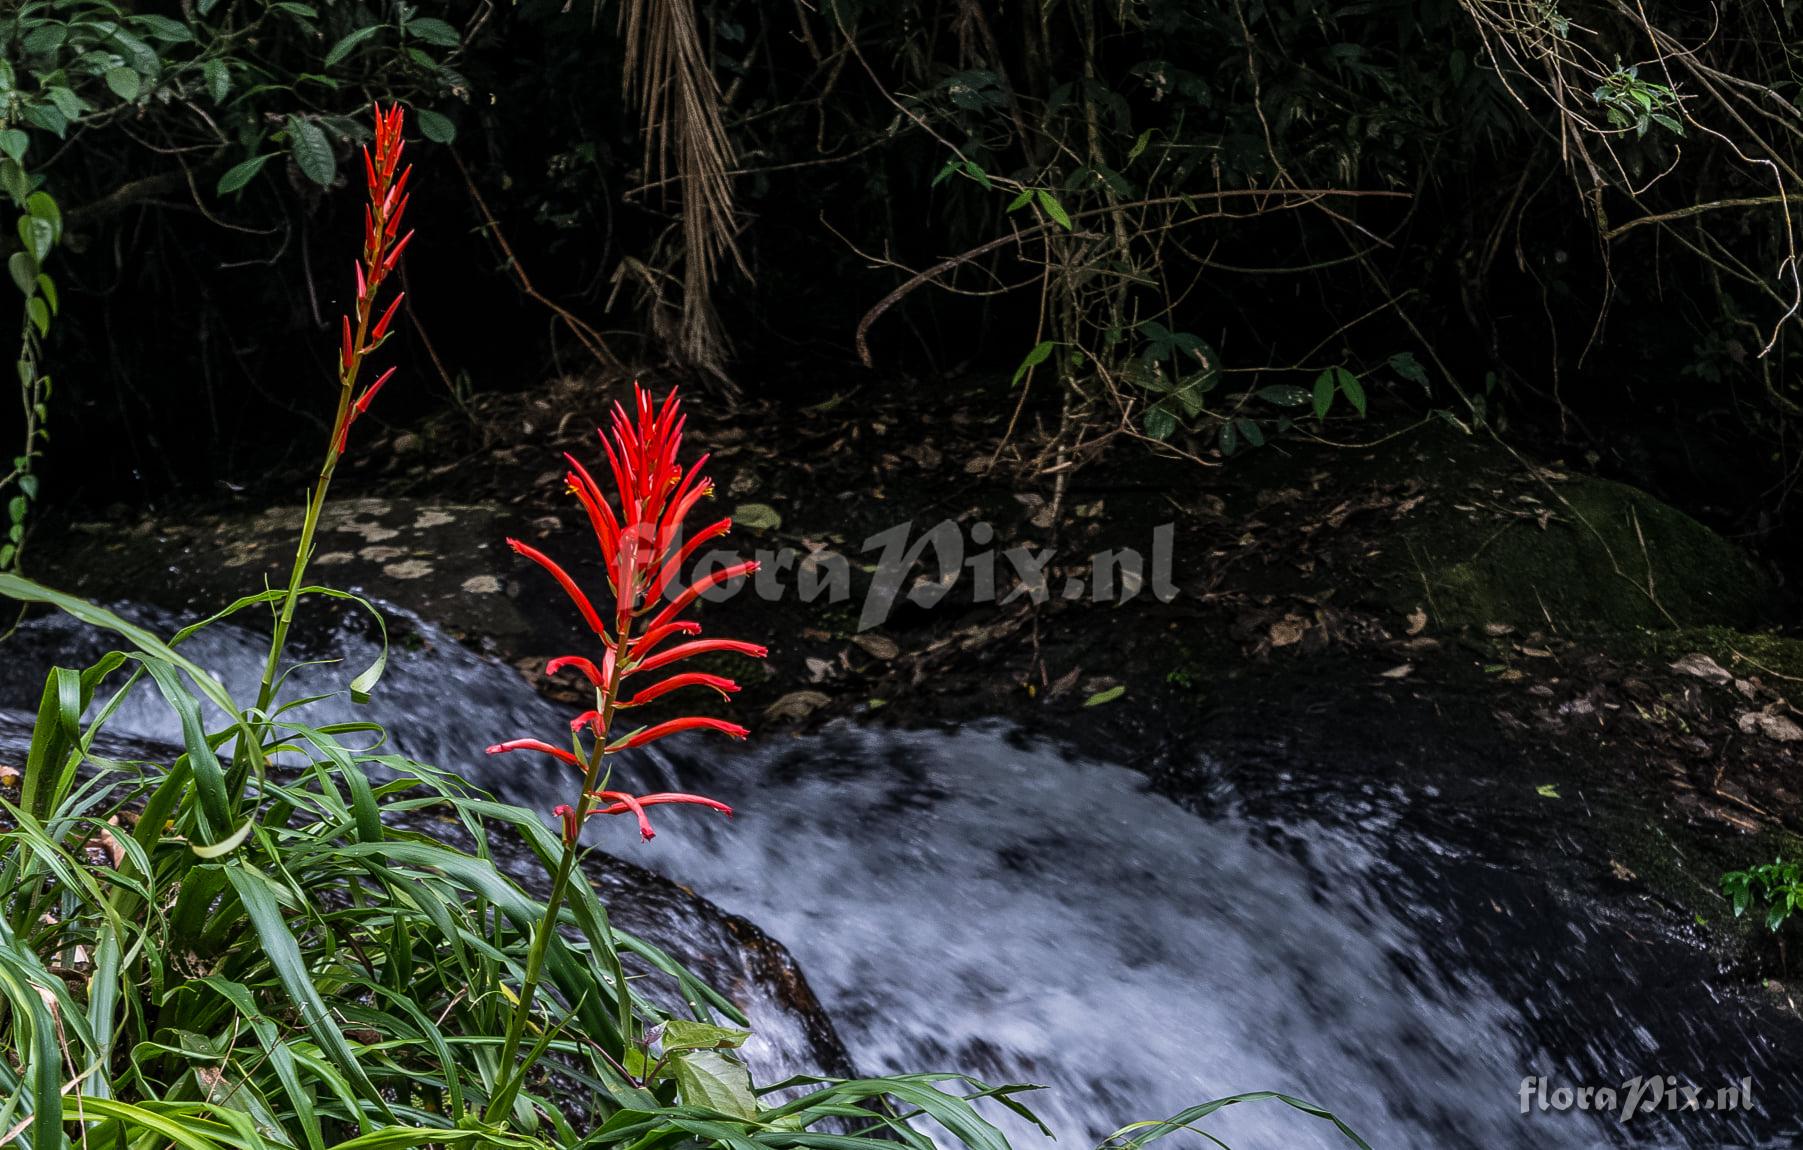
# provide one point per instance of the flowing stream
(983, 901)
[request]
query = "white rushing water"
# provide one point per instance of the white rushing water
(980, 901)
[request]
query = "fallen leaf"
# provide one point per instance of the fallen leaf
(818, 668)
(1498, 630)
(1417, 621)
(877, 646)
(1400, 671)
(1776, 727)
(796, 705)
(1547, 791)
(1063, 683)
(1703, 667)
(1108, 696)
(756, 517)
(1288, 630)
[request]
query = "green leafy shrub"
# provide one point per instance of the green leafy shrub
(1776, 886)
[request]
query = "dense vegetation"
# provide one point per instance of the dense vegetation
(1192, 221)
(246, 945)
(1178, 226)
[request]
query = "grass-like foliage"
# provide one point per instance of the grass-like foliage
(252, 946)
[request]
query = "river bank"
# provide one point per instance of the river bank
(1560, 676)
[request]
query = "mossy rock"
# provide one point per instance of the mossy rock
(1741, 653)
(1500, 540)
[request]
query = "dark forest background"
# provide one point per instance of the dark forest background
(1188, 226)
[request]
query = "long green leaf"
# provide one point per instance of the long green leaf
(285, 956)
(26, 591)
(37, 1051)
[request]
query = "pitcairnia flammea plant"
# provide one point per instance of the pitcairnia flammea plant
(361, 333)
(643, 550)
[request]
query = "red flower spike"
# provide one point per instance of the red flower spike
(539, 746)
(640, 531)
(563, 580)
(387, 200)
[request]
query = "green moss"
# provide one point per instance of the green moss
(1741, 652)
(1492, 543)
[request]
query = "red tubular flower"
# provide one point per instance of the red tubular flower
(699, 647)
(539, 746)
(675, 682)
(620, 803)
(639, 530)
(588, 669)
(572, 825)
(670, 727)
(563, 580)
(642, 645)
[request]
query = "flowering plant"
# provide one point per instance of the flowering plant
(643, 552)
(284, 955)
(361, 333)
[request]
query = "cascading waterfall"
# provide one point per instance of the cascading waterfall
(981, 901)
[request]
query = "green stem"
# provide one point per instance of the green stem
(560, 883)
(347, 381)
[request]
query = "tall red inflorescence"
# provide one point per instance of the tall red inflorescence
(643, 550)
(363, 331)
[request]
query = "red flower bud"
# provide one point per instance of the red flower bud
(381, 328)
(395, 254)
(363, 400)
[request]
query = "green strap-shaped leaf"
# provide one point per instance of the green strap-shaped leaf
(290, 966)
(42, 1063)
(366, 680)
(26, 591)
(217, 806)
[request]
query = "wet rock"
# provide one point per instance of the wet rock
(444, 561)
